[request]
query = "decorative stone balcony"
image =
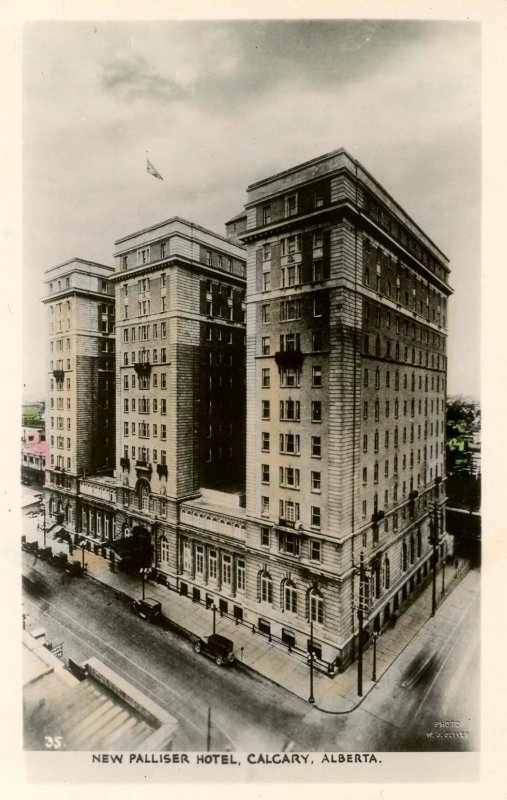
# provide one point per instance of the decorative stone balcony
(142, 367)
(162, 470)
(58, 374)
(125, 463)
(286, 359)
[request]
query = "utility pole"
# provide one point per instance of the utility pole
(311, 698)
(360, 612)
(208, 736)
(44, 522)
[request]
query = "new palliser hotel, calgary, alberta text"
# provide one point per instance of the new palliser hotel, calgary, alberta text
(261, 415)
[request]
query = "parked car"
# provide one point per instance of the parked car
(74, 568)
(147, 609)
(217, 647)
(58, 560)
(30, 547)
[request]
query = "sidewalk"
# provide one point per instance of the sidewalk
(336, 695)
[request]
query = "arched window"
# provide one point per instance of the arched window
(316, 606)
(265, 587)
(290, 596)
(404, 557)
(144, 496)
(387, 573)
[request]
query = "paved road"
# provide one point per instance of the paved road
(434, 681)
(248, 712)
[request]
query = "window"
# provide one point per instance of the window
(266, 317)
(290, 310)
(289, 511)
(226, 569)
(266, 215)
(317, 376)
(290, 410)
(318, 270)
(265, 378)
(316, 411)
(315, 550)
(265, 473)
(291, 205)
(241, 575)
(290, 598)
(290, 378)
(266, 588)
(265, 442)
(315, 517)
(266, 281)
(265, 409)
(316, 608)
(289, 443)
(316, 447)
(316, 341)
(265, 345)
(199, 559)
(264, 537)
(212, 564)
(289, 477)
(315, 479)
(318, 305)
(265, 506)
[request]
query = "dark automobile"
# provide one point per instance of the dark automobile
(217, 647)
(147, 609)
(74, 568)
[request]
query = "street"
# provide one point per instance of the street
(423, 701)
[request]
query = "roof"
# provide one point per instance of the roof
(36, 448)
(241, 215)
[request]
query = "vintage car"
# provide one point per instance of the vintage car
(217, 647)
(147, 609)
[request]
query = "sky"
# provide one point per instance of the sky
(217, 105)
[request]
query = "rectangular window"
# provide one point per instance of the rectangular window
(265, 378)
(316, 447)
(266, 347)
(265, 473)
(315, 517)
(266, 316)
(290, 378)
(264, 537)
(317, 376)
(265, 442)
(212, 564)
(291, 205)
(265, 409)
(316, 411)
(316, 482)
(241, 575)
(264, 506)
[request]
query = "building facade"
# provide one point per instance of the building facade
(346, 382)
(80, 417)
(180, 392)
(344, 423)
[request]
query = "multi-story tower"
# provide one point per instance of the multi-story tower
(346, 380)
(80, 428)
(180, 292)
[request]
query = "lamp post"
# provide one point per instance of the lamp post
(443, 568)
(214, 609)
(434, 541)
(374, 672)
(144, 572)
(44, 522)
(311, 698)
(360, 617)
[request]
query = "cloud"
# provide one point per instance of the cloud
(133, 79)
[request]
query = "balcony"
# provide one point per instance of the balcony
(142, 367)
(413, 495)
(125, 463)
(377, 516)
(162, 470)
(143, 465)
(58, 374)
(289, 359)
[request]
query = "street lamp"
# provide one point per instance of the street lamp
(443, 568)
(433, 540)
(144, 572)
(311, 698)
(44, 522)
(361, 608)
(214, 609)
(374, 672)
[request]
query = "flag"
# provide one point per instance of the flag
(151, 169)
